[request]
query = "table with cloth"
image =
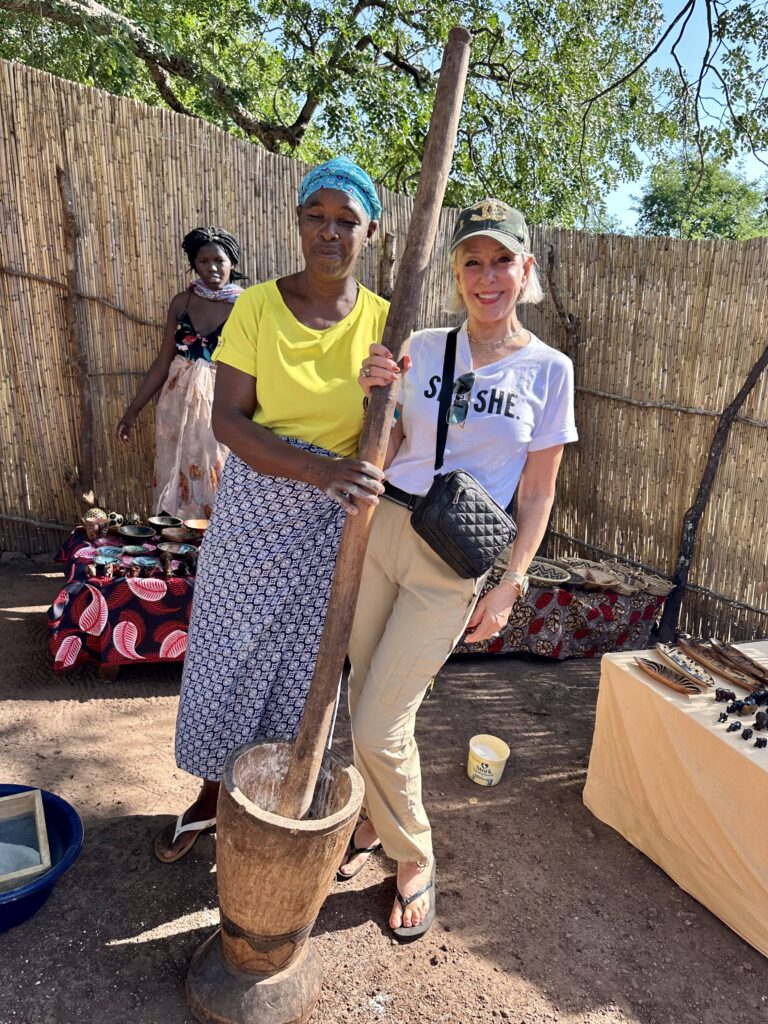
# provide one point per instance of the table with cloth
(118, 621)
(560, 622)
(126, 621)
(682, 789)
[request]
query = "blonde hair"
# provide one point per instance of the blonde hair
(531, 292)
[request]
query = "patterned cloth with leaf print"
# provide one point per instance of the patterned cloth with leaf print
(115, 622)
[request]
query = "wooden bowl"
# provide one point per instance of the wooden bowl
(146, 561)
(597, 577)
(179, 534)
(106, 559)
(163, 522)
(175, 548)
(136, 532)
(577, 578)
(667, 676)
(200, 525)
(600, 579)
(685, 665)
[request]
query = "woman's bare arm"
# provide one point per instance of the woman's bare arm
(156, 375)
(234, 403)
(535, 496)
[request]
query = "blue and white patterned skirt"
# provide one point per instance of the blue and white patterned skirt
(261, 594)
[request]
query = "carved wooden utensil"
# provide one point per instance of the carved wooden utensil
(308, 749)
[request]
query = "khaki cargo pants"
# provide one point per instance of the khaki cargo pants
(410, 614)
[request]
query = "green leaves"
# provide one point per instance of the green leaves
(560, 103)
(686, 199)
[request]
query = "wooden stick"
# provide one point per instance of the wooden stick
(307, 754)
(387, 265)
(570, 322)
(65, 286)
(77, 342)
(692, 518)
(37, 522)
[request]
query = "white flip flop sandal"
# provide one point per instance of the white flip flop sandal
(193, 826)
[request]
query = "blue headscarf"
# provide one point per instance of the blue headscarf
(346, 176)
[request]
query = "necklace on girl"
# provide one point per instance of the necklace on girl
(228, 293)
(496, 344)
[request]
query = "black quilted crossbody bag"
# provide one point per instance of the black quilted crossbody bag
(457, 517)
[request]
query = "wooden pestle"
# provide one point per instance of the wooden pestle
(307, 752)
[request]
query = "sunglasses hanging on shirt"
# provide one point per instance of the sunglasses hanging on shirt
(462, 389)
(457, 517)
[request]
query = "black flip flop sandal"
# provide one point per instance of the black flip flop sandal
(355, 851)
(405, 934)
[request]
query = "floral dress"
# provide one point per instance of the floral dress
(188, 458)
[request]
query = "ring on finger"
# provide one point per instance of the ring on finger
(366, 371)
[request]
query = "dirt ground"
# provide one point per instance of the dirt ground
(544, 914)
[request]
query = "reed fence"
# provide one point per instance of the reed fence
(95, 195)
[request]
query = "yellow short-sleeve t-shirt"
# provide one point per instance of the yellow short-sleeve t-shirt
(306, 379)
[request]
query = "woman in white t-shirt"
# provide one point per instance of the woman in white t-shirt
(511, 415)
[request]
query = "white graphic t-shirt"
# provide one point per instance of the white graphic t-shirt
(521, 403)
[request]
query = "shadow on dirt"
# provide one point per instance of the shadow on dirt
(543, 913)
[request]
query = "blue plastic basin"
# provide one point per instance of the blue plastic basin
(65, 839)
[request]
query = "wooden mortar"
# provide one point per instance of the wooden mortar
(274, 874)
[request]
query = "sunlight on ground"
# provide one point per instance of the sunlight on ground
(573, 774)
(25, 609)
(185, 923)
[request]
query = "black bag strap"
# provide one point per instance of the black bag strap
(444, 402)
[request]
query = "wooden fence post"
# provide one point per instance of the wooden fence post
(80, 479)
(387, 265)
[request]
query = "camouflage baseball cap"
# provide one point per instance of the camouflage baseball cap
(497, 220)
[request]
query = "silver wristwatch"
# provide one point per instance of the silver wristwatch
(516, 577)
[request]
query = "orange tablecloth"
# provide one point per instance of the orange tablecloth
(684, 791)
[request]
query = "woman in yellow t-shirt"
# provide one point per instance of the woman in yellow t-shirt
(288, 406)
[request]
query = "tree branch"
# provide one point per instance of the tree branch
(737, 120)
(692, 518)
(66, 528)
(419, 75)
(78, 346)
(64, 285)
(163, 84)
(161, 63)
(690, 4)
